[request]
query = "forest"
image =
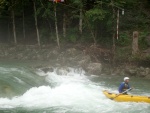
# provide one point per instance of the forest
(108, 23)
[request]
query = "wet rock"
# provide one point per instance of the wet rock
(138, 71)
(142, 72)
(94, 68)
(131, 72)
(141, 68)
(38, 67)
(147, 70)
(62, 71)
(148, 76)
(55, 52)
(47, 69)
(84, 62)
(148, 40)
(71, 51)
(146, 52)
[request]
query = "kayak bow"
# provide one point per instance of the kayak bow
(126, 98)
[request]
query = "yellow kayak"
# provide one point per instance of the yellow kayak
(126, 98)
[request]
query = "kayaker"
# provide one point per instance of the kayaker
(124, 85)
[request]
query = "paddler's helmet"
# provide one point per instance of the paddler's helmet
(126, 78)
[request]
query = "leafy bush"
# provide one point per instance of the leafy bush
(124, 39)
(72, 35)
(142, 40)
(44, 35)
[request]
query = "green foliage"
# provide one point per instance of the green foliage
(124, 39)
(142, 40)
(73, 38)
(147, 58)
(72, 35)
(78, 3)
(44, 35)
(97, 18)
(95, 14)
(4, 8)
(123, 54)
(46, 10)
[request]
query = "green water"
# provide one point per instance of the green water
(24, 89)
(16, 77)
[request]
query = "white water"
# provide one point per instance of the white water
(71, 92)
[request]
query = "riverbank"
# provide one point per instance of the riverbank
(93, 59)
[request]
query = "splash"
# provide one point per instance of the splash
(71, 91)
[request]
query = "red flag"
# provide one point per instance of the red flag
(58, 1)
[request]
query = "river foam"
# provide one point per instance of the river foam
(71, 92)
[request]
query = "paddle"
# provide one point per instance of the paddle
(122, 93)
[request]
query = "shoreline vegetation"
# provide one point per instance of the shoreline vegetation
(93, 59)
(102, 37)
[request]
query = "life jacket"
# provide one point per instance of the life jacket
(126, 86)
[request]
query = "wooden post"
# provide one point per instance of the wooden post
(135, 48)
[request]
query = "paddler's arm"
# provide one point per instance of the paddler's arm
(120, 88)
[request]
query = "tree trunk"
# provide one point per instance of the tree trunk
(93, 36)
(117, 24)
(56, 26)
(13, 22)
(23, 22)
(37, 30)
(80, 21)
(113, 35)
(50, 28)
(64, 25)
(8, 32)
(135, 48)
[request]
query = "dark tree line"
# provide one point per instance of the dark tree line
(45, 22)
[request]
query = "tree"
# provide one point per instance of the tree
(36, 23)
(77, 12)
(94, 16)
(56, 27)
(13, 20)
(23, 20)
(5, 15)
(49, 11)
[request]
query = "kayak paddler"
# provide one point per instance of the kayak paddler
(124, 85)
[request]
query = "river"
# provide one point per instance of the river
(24, 89)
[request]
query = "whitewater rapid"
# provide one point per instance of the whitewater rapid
(69, 92)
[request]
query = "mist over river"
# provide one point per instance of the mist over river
(25, 89)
